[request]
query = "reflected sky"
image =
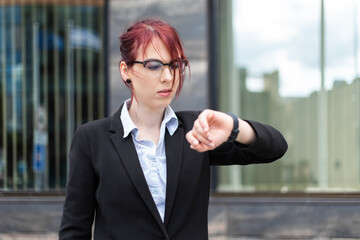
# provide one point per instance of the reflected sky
(284, 35)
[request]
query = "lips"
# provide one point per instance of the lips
(164, 92)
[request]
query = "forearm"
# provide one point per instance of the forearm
(247, 134)
(269, 145)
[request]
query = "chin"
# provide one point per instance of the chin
(164, 103)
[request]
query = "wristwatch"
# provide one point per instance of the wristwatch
(235, 131)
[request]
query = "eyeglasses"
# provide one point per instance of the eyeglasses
(154, 67)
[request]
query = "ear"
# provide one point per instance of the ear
(124, 71)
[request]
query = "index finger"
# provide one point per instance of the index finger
(203, 120)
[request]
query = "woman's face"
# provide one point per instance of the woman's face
(155, 91)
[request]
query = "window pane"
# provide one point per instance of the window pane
(277, 62)
(51, 62)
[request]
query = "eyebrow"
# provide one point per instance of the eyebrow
(155, 59)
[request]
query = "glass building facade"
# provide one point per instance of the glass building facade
(278, 62)
(53, 79)
(293, 65)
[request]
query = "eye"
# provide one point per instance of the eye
(176, 65)
(154, 66)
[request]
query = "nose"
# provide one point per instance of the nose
(166, 74)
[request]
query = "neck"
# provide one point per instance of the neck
(145, 117)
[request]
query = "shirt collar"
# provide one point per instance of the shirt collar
(170, 120)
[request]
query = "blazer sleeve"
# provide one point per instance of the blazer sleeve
(79, 206)
(268, 146)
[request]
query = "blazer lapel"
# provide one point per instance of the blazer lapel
(127, 154)
(174, 151)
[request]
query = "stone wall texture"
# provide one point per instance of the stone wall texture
(243, 218)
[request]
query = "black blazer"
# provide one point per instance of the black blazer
(106, 182)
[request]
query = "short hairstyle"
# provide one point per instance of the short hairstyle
(141, 34)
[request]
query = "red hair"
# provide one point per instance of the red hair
(141, 34)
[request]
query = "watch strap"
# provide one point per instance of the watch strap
(235, 131)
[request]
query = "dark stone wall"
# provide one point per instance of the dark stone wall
(229, 217)
(284, 218)
(30, 214)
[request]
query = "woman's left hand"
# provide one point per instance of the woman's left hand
(210, 130)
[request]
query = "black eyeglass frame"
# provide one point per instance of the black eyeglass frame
(164, 64)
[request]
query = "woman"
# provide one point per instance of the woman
(144, 172)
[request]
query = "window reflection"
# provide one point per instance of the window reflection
(51, 70)
(277, 51)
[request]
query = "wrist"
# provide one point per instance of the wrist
(235, 130)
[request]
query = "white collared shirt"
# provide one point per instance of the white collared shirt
(152, 157)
